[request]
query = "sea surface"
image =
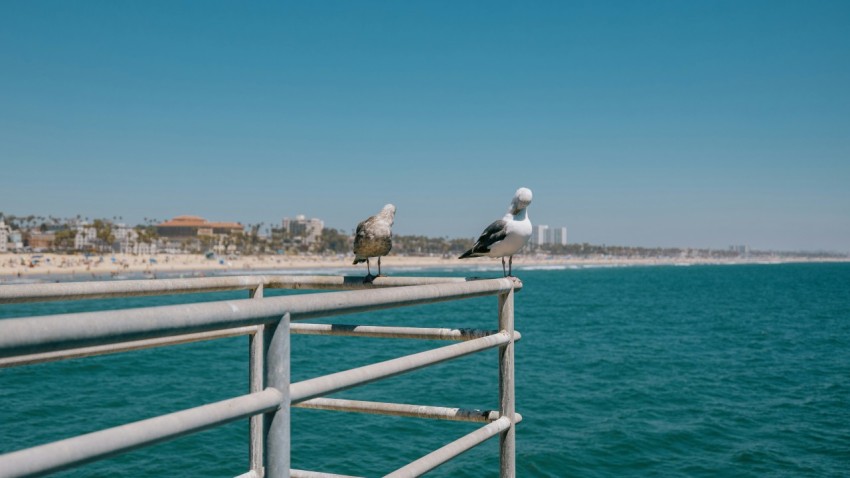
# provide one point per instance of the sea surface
(733, 370)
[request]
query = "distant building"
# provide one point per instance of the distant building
(16, 240)
(742, 250)
(538, 234)
(542, 234)
(194, 226)
(125, 239)
(42, 241)
(86, 237)
(303, 230)
(559, 236)
(144, 248)
(4, 237)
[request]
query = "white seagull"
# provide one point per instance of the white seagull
(374, 239)
(504, 237)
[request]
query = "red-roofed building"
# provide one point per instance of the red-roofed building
(194, 226)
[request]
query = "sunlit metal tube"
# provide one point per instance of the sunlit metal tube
(507, 395)
(277, 423)
(336, 382)
(62, 454)
(316, 474)
(453, 449)
(123, 347)
(122, 288)
(22, 336)
(401, 410)
(16, 293)
(390, 332)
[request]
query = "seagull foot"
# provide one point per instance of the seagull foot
(369, 278)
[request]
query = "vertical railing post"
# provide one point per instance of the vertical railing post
(255, 384)
(277, 423)
(507, 403)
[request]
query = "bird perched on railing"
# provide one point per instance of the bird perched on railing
(374, 239)
(506, 236)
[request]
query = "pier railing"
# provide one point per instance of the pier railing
(268, 321)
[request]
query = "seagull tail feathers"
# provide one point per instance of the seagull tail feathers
(358, 260)
(466, 254)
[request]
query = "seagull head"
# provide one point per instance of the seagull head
(388, 212)
(521, 200)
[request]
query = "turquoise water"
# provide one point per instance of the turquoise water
(639, 371)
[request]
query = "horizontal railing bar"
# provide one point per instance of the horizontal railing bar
(62, 454)
(310, 329)
(401, 410)
(421, 333)
(24, 336)
(123, 288)
(122, 347)
(453, 449)
(293, 473)
(15, 293)
(336, 382)
(352, 282)
(250, 474)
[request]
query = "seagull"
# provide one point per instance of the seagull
(374, 239)
(504, 237)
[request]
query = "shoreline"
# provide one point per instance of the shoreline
(15, 267)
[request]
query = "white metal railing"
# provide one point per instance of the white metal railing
(268, 321)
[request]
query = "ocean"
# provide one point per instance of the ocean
(732, 370)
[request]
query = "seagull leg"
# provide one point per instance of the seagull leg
(511, 266)
(503, 268)
(369, 277)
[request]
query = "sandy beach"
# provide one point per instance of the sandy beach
(18, 266)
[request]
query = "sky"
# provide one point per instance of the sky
(656, 123)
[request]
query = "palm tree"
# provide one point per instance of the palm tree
(104, 233)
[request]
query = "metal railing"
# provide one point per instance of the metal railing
(268, 321)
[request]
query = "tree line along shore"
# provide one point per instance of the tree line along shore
(34, 243)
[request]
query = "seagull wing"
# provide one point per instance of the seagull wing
(360, 234)
(360, 240)
(495, 232)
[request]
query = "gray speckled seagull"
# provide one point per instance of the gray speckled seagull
(506, 236)
(374, 239)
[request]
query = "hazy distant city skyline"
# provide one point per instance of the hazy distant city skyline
(644, 124)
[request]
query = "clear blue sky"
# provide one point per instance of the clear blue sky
(667, 123)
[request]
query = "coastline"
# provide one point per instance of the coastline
(15, 267)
